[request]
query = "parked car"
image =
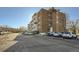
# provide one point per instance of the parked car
(50, 33)
(43, 34)
(36, 32)
(60, 34)
(56, 34)
(69, 35)
(28, 33)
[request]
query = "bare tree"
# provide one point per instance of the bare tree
(22, 28)
(75, 25)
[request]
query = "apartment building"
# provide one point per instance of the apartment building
(51, 20)
(32, 26)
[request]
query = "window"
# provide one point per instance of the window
(49, 14)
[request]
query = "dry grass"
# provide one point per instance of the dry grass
(7, 40)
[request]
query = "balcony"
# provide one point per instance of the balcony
(35, 22)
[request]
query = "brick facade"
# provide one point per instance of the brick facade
(48, 20)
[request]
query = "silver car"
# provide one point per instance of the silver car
(56, 34)
(69, 35)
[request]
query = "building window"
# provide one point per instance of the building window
(49, 14)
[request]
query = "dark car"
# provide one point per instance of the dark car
(50, 33)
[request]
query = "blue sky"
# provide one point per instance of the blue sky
(21, 16)
(72, 12)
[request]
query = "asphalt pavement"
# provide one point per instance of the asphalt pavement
(37, 43)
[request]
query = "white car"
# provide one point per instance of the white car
(56, 34)
(69, 35)
(43, 34)
(28, 33)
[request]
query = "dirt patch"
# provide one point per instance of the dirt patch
(7, 40)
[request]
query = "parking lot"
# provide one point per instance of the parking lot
(38, 43)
